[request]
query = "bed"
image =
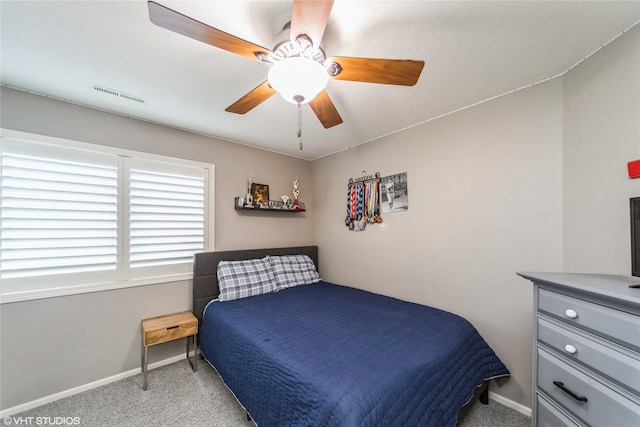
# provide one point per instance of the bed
(323, 354)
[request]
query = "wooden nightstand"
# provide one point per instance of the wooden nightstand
(168, 328)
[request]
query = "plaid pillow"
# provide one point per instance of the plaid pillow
(241, 279)
(293, 270)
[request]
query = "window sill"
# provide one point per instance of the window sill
(7, 298)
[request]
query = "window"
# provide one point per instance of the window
(167, 204)
(78, 217)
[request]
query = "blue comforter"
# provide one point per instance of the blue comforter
(330, 355)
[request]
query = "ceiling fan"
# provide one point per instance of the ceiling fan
(300, 70)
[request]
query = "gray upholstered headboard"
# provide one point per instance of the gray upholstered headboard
(205, 279)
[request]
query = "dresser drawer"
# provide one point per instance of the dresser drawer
(617, 366)
(603, 406)
(618, 325)
(550, 416)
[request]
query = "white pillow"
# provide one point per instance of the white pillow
(241, 279)
(293, 270)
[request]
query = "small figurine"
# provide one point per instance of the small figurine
(285, 200)
(249, 198)
(296, 192)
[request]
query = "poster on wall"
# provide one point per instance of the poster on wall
(395, 197)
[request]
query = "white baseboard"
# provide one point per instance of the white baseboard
(510, 404)
(75, 390)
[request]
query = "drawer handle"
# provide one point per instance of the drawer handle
(173, 327)
(571, 314)
(570, 349)
(561, 386)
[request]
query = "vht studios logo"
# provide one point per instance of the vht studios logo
(41, 421)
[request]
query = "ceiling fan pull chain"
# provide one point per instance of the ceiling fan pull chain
(300, 124)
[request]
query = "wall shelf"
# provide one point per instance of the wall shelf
(259, 208)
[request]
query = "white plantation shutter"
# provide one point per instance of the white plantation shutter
(167, 215)
(59, 211)
(78, 217)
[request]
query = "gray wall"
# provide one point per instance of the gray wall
(532, 181)
(601, 134)
(52, 345)
(535, 180)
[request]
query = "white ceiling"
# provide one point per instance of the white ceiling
(473, 51)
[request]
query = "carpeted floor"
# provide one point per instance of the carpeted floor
(179, 397)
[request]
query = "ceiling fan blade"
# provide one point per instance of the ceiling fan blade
(251, 100)
(181, 24)
(325, 110)
(310, 17)
(387, 71)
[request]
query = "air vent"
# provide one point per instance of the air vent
(117, 93)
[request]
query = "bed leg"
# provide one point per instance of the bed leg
(484, 396)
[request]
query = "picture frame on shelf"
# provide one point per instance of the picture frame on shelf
(260, 193)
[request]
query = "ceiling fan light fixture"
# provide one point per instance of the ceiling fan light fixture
(296, 77)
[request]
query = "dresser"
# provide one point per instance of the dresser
(586, 350)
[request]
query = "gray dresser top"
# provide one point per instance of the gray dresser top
(605, 285)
